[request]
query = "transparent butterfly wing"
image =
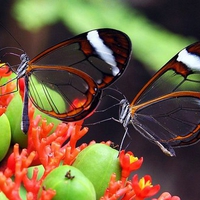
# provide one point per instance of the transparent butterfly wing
(75, 70)
(167, 109)
(173, 119)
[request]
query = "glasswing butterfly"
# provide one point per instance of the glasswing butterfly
(167, 109)
(74, 71)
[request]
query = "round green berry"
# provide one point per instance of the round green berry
(98, 162)
(69, 183)
(5, 136)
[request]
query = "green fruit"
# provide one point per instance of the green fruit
(5, 133)
(14, 114)
(98, 162)
(2, 196)
(75, 186)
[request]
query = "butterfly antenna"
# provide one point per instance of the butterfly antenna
(12, 36)
(108, 95)
(116, 90)
(101, 121)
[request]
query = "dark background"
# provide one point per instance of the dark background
(178, 175)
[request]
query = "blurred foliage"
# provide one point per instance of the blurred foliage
(152, 44)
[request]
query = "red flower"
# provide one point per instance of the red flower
(21, 162)
(144, 188)
(43, 148)
(129, 163)
(6, 90)
(115, 190)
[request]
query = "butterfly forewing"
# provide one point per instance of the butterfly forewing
(167, 109)
(174, 76)
(103, 54)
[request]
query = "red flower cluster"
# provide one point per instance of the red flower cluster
(133, 189)
(45, 149)
(60, 147)
(5, 90)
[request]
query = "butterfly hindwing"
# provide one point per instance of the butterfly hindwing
(67, 94)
